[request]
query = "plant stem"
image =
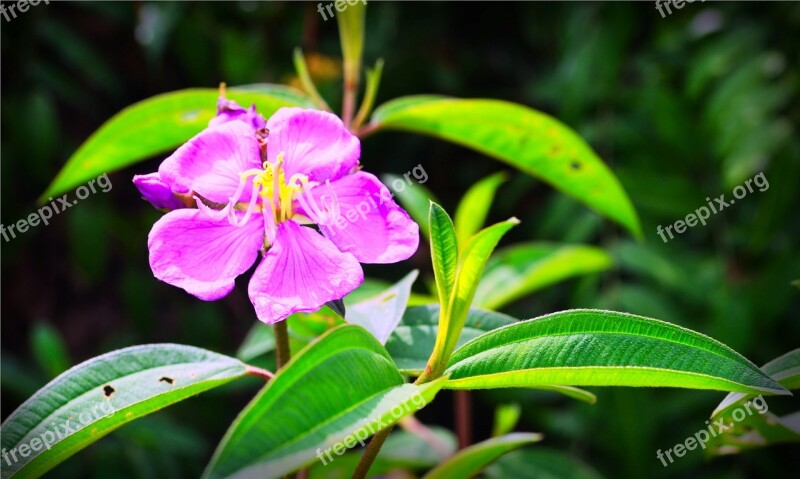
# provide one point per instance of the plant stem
(282, 344)
(349, 100)
(366, 130)
(463, 409)
(258, 372)
(371, 453)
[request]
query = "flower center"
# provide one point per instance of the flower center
(277, 198)
(270, 185)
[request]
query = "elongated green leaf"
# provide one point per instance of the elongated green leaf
(748, 422)
(380, 314)
(306, 327)
(158, 124)
(415, 198)
(260, 340)
(541, 463)
(470, 461)
(750, 425)
(337, 392)
(412, 341)
(571, 392)
(373, 81)
(785, 369)
(94, 398)
(305, 79)
(519, 270)
(602, 348)
(522, 137)
(474, 206)
(401, 450)
(470, 267)
(444, 253)
(351, 37)
(506, 417)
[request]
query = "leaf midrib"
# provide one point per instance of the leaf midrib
(639, 368)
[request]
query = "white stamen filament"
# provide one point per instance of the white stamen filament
(249, 212)
(325, 215)
(270, 228)
(210, 212)
(309, 205)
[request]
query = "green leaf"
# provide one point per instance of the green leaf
(339, 390)
(412, 341)
(506, 417)
(159, 124)
(305, 79)
(569, 391)
(97, 396)
(785, 369)
(49, 349)
(541, 463)
(415, 199)
(519, 270)
(401, 450)
(474, 206)
(306, 327)
(522, 137)
(351, 37)
(470, 266)
(380, 314)
(470, 461)
(749, 424)
(373, 81)
(260, 340)
(602, 348)
(444, 253)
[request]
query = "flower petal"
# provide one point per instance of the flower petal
(229, 110)
(203, 255)
(371, 225)
(300, 273)
(210, 163)
(158, 193)
(316, 143)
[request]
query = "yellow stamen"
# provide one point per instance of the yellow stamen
(274, 191)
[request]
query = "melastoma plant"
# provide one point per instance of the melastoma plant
(282, 187)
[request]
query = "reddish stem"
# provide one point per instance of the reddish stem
(463, 410)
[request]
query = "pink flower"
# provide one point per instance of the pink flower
(257, 194)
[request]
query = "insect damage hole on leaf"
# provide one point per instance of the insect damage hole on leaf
(108, 390)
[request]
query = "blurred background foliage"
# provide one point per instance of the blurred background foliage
(682, 108)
